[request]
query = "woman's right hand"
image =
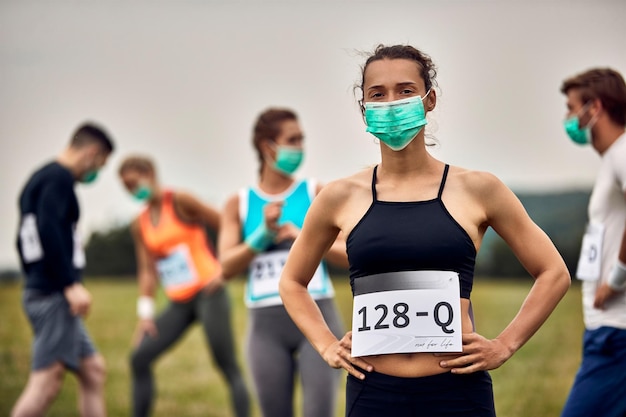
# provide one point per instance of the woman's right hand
(145, 327)
(78, 298)
(338, 355)
(271, 213)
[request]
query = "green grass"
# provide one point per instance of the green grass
(534, 382)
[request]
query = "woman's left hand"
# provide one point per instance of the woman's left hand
(479, 354)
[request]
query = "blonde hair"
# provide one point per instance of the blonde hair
(139, 163)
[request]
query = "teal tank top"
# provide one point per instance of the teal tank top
(265, 269)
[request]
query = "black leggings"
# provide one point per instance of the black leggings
(443, 395)
(213, 311)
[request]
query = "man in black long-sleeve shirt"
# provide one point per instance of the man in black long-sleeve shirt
(52, 259)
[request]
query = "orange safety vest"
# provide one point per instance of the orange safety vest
(184, 261)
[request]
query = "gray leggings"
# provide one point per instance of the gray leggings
(276, 350)
(213, 311)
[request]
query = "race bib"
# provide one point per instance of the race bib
(590, 260)
(406, 312)
(265, 271)
(30, 244)
(176, 268)
(78, 257)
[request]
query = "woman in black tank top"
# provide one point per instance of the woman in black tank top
(414, 227)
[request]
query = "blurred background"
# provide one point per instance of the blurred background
(183, 82)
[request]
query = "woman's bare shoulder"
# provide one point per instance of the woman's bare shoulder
(476, 182)
(343, 188)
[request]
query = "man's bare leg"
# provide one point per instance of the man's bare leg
(91, 377)
(42, 388)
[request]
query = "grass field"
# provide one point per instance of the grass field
(534, 383)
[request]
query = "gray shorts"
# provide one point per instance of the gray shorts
(59, 336)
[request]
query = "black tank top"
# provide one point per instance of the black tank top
(411, 236)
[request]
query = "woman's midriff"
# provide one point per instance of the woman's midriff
(412, 365)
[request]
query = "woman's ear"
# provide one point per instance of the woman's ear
(431, 100)
(267, 146)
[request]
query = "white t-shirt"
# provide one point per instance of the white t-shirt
(607, 206)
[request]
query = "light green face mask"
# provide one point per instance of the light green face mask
(396, 123)
(142, 193)
(89, 177)
(288, 159)
(578, 135)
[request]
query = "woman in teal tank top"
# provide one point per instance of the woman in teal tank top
(259, 225)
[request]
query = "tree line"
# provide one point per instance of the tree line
(562, 216)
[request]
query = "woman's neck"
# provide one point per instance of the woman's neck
(273, 182)
(157, 197)
(414, 159)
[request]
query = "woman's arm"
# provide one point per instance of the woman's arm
(534, 249)
(234, 254)
(318, 234)
(336, 254)
(146, 269)
(194, 210)
(147, 281)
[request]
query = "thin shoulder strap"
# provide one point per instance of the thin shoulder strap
(443, 181)
(244, 194)
(374, 183)
(311, 187)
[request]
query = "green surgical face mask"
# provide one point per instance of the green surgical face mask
(579, 135)
(89, 176)
(396, 123)
(142, 193)
(288, 159)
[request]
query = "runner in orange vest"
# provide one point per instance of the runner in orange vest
(173, 249)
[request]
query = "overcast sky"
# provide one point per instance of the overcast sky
(184, 80)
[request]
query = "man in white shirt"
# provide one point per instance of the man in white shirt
(596, 103)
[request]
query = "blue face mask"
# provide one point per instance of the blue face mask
(396, 123)
(288, 159)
